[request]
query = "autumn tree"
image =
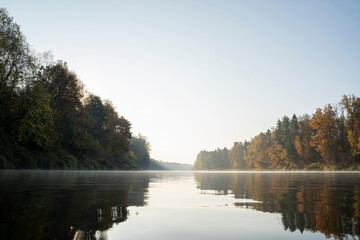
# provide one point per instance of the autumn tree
(302, 142)
(326, 134)
(237, 154)
(352, 107)
(277, 154)
(257, 156)
(328, 140)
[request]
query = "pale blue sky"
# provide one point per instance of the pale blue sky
(195, 75)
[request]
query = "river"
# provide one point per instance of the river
(179, 205)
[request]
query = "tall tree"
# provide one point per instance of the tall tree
(324, 140)
(302, 142)
(140, 146)
(352, 107)
(66, 92)
(36, 127)
(277, 154)
(44, 119)
(294, 127)
(14, 66)
(237, 155)
(14, 53)
(97, 111)
(257, 156)
(117, 132)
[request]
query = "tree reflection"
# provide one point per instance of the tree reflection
(68, 206)
(325, 202)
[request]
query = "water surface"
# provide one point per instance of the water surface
(179, 205)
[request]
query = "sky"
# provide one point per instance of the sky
(198, 75)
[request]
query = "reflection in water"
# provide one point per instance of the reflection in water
(67, 205)
(325, 202)
(86, 205)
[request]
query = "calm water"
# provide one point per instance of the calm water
(179, 205)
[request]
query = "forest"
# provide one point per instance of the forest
(169, 166)
(327, 140)
(48, 120)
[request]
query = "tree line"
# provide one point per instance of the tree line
(327, 140)
(169, 166)
(48, 120)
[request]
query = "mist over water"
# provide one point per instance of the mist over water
(179, 205)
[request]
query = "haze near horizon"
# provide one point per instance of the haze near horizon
(194, 75)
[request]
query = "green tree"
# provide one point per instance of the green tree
(14, 54)
(36, 127)
(85, 144)
(294, 127)
(141, 148)
(44, 119)
(14, 66)
(97, 111)
(66, 92)
(213, 160)
(111, 132)
(285, 132)
(117, 132)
